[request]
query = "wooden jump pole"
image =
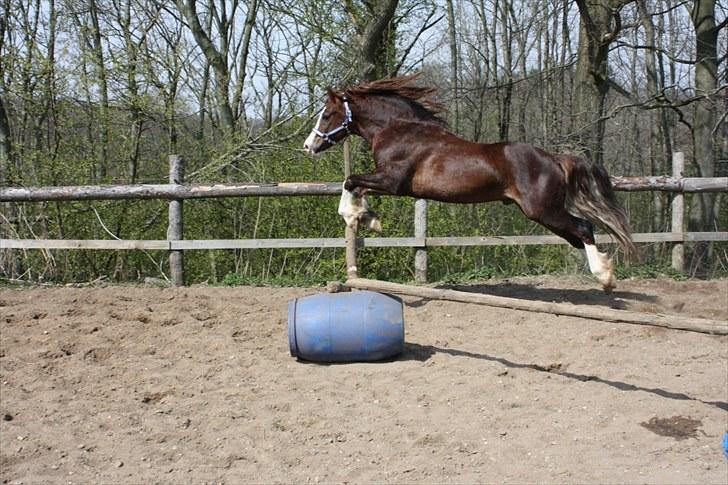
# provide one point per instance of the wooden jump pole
(350, 231)
(175, 230)
(583, 311)
(678, 213)
(421, 235)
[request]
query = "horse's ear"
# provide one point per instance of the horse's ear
(332, 94)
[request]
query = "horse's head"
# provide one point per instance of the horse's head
(332, 125)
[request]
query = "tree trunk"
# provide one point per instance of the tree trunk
(375, 40)
(592, 71)
(217, 61)
(702, 215)
(504, 119)
(98, 56)
(6, 146)
(6, 141)
(454, 75)
(658, 154)
(243, 57)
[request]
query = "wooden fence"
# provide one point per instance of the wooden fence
(176, 192)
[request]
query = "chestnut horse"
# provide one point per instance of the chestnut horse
(416, 156)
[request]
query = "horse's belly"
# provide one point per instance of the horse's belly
(460, 197)
(465, 187)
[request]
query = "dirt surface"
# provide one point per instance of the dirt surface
(196, 385)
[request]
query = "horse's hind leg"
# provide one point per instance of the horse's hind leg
(601, 266)
(580, 234)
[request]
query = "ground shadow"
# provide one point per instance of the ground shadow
(587, 296)
(422, 353)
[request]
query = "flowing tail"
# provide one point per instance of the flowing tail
(591, 196)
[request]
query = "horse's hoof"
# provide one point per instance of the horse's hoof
(371, 220)
(608, 282)
(375, 225)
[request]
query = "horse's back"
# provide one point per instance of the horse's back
(445, 167)
(448, 168)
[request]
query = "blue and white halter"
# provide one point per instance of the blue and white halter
(348, 118)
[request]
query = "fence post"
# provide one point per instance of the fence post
(678, 212)
(350, 231)
(421, 234)
(175, 230)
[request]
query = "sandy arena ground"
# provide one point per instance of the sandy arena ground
(196, 385)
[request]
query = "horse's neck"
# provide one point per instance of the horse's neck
(379, 114)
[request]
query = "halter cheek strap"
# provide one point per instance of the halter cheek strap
(348, 118)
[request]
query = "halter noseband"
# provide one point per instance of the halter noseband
(344, 125)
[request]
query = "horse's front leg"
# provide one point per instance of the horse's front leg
(353, 205)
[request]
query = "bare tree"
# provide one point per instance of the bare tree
(454, 71)
(702, 14)
(229, 50)
(599, 27)
(6, 143)
(373, 20)
(134, 27)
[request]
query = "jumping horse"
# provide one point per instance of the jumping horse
(416, 156)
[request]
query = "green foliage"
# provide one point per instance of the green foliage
(235, 279)
(649, 271)
(474, 274)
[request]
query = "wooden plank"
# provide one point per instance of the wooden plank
(582, 311)
(82, 244)
(389, 242)
(698, 184)
(201, 244)
(706, 236)
(164, 191)
(547, 239)
(201, 191)
(670, 184)
(373, 242)
(302, 243)
(493, 240)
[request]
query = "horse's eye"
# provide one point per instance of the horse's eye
(326, 116)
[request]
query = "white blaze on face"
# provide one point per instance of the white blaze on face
(312, 136)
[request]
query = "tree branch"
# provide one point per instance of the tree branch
(425, 27)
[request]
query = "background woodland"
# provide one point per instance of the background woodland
(102, 91)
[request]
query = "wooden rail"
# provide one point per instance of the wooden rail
(334, 242)
(670, 184)
(164, 191)
(201, 191)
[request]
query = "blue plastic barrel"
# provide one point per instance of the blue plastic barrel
(346, 327)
